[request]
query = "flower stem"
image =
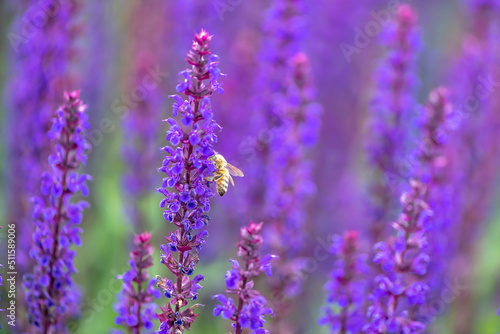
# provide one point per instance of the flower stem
(241, 302)
(57, 222)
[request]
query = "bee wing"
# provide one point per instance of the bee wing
(231, 179)
(233, 170)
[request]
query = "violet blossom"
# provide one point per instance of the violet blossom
(475, 148)
(186, 190)
(392, 108)
(134, 307)
(290, 184)
(476, 140)
(435, 171)
(404, 261)
(409, 263)
(250, 309)
(289, 180)
(346, 287)
(289, 113)
(283, 31)
(39, 72)
(51, 294)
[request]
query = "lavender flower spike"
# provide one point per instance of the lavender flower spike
(187, 194)
(134, 306)
(40, 70)
(288, 175)
(50, 293)
(404, 262)
(435, 121)
(392, 109)
(346, 287)
(437, 170)
(250, 310)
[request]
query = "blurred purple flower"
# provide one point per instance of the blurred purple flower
(282, 31)
(39, 71)
(436, 171)
(134, 307)
(251, 308)
(186, 169)
(289, 115)
(289, 180)
(50, 292)
(474, 148)
(435, 124)
(403, 260)
(393, 108)
(346, 287)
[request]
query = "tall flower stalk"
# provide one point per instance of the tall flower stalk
(402, 289)
(403, 260)
(50, 292)
(346, 287)
(289, 179)
(187, 193)
(287, 128)
(476, 146)
(435, 171)
(40, 57)
(289, 185)
(250, 309)
(392, 109)
(282, 28)
(134, 307)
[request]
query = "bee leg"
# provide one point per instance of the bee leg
(209, 179)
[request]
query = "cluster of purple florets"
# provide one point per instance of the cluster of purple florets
(391, 302)
(287, 101)
(50, 292)
(40, 73)
(347, 286)
(251, 308)
(134, 307)
(404, 262)
(393, 107)
(187, 193)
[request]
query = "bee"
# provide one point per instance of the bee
(223, 172)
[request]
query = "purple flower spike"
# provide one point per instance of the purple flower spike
(187, 194)
(288, 107)
(436, 171)
(251, 310)
(435, 124)
(283, 32)
(40, 69)
(346, 286)
(393, 108)
(134, 307)
(403, 263)
(50, 292)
